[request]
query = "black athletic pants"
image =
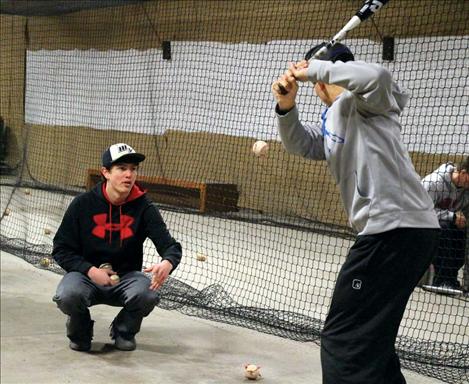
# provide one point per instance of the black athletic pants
(370, 296)
(451, 254)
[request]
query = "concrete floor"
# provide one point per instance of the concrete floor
(172, 348)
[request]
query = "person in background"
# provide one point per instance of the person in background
(448, 186)
(397, 229)
(101, 237)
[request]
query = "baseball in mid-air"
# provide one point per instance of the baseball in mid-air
(252, 371)
(260, 148)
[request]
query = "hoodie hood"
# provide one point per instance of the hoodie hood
(136, 192)
(401, 97)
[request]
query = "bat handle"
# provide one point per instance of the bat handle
(282, 90)
(321, 52)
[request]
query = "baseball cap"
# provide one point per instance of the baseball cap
(338, 52)
(121, 153)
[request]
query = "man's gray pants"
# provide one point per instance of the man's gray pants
(76, 293)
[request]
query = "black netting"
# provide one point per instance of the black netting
(188, 84)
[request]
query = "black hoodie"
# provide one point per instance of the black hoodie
(94, 231)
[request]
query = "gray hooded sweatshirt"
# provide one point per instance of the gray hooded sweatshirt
(360, 138)
(446, 197)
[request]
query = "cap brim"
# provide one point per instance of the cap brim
(130, 158)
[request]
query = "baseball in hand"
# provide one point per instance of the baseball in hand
(260, 148)
(114, 279)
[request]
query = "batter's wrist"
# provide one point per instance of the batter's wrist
(282, 110)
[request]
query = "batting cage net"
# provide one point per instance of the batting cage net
(188, 83)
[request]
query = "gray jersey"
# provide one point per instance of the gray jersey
(360, 138)
(446, 197)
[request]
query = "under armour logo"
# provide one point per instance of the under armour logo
(102, 226)
(123, 148)
(356, 284)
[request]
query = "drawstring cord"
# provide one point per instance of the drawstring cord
(110, 223)
(120, 224)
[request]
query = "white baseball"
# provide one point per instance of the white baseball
(105, 266)
(44, 262)
(260, 148)
(252, 371)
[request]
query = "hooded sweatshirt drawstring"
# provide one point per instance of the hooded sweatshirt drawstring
(110, 223)
(121, 232)
(119, 225)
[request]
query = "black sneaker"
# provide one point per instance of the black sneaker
(80, 334)
(81, 346)
(123, 342)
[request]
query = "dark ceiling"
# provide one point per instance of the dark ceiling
(57, 7)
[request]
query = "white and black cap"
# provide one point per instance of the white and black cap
(121, 153)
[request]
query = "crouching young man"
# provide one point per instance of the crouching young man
(100, 246)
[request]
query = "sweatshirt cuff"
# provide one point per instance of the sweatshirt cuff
(289, 118)
(282, 112)
(173, 262)
(84, 267)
